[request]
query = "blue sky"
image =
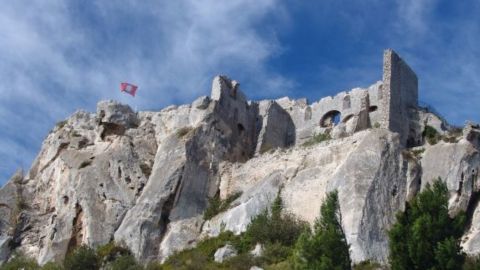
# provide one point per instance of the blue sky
(59, 56)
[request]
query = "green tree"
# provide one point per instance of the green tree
(425, 236)
(82, 258)
(326, 246)
(19, 261)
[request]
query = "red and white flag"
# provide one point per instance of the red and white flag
(128, 88)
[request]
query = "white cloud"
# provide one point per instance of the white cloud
(55, 58)
(414, 15)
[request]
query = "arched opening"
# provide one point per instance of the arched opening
(373, 108)
(346, 102)
(330, 119)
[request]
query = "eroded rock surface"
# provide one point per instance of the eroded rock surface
(143, 179)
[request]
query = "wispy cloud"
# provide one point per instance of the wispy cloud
(57, 56)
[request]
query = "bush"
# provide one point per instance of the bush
(124, 262)
(276, 231)
(326, 247)
(274, 227)
(275, 253)
(367, 265)
(20, 261)
(110, 251)
(52, 266)
(82, 258)
(216, 206)
(425, 236)
(200, 257)
(317, 138)
(431, 134)
(242, 261)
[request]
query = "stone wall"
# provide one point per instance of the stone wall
(391, 104)
(399, 96)
(344, 107)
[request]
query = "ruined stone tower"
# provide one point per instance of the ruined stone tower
(390, 103)
(398, 97)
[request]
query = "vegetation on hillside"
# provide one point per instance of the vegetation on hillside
(317, 138)
(425, 236)
(325, 247)
(216, 205)
(431, 134)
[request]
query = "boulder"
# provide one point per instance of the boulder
(224, 253)
(112, 112)
(257, 251)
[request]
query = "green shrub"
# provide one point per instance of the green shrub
(367, 265)
(110, 251)
(276, 231)
(376, 125)
(431, 134)
(317, 138)
(200, 257)
(82, 258)
(124, 262)
(52, 266)
(216, 206)
(20, 261)
(275, 253)
(418, 152)
(242, 261)
(425, 236)
(273, 227)
(326, 246)
(284, 265)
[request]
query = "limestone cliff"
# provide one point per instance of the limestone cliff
(143, 179)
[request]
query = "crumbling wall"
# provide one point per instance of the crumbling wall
(343, 108)
(399, 96)
(275, 127)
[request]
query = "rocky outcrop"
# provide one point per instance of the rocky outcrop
(356, 166)
(224, 253)
(144, 179)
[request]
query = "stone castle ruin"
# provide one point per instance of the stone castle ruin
(145, 179)
(391, 103)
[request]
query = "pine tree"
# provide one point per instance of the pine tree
(425, 236)
(326, 247)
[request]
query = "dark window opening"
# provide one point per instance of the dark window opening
(373, 108)
(330, 119)
(240, 128)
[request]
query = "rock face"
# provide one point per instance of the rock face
(356, 166)
(224, 253)
(144, 179)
